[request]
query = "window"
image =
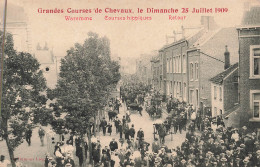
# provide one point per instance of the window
(168, 88)
(184, 91)
(174, 65)
(170, 65)
(191, 96)
(167, 66)
(196, 71)
(179, 64)
(184, 64)
(197, 97)
(255, 103)
(215, 92)
(220, 93)
(171, 87)
(170, 70)
(191, 71)
(177, 89)
(255, 61)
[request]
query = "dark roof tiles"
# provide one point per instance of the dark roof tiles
(218, 79)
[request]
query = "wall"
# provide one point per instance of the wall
(193, 56)
(208, 68)
(246, 84)
(217, 102)
(230, 91)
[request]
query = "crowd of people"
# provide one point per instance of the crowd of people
(208, 142)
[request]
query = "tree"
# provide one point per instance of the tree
(86, 75)
(23, 87)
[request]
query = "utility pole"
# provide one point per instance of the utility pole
(2, 57)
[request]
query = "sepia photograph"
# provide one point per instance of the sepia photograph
(130, 83)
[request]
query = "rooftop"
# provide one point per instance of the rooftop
(218, 79)
(251, 18)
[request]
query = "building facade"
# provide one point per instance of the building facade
(249, 68)
(155, 67)
(143, 69)
(224, 91)
(49, 64)
(206, 60)
(162, 68)
(16, 25)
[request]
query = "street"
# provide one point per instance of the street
(34, 155)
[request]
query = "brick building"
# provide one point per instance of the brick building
(206, 60)
(162, 69)
(155, 67)
(249, 68)
(175, 60)
(224, 91)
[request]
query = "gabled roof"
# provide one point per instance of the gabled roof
(206, 37)
(213, 43)
(218, 79)
(187, 38)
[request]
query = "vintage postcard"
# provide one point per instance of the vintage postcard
(158, 83)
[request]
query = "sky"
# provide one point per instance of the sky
(129, 39)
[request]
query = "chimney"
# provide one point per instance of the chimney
(208, 22)
(227, 58)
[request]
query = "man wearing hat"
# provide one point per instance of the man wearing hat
(223, 162)
(105, 159)
(183, 163)
(256, 158)
(69, 161)
(206, 163)
(249, 143)
(132, 131)
(103, 124)
(140, 133)
(95, 155)
(246, 162)
(28, 136)
(113, 145)
(120, 129)
(243, 131)
(237, 162)
(54, 164)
